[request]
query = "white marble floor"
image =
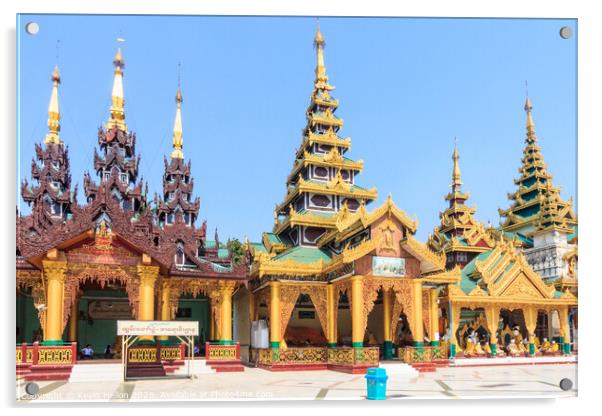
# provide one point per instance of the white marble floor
(517, 381)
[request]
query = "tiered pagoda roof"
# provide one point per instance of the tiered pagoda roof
(323, 226)
(536, 205)
(460, 236)
(177, 205)
(117, 167)
(50, 195)
(117, 205)
(322, 180)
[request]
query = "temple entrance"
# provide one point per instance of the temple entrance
(196, 308)
(304, 328)
(98, 309)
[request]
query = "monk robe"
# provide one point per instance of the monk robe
(487, 349)
(545, 347)
(554, 347)
(470, 349)
(513, 349)
(479, 349)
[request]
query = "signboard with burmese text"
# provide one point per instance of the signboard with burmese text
(388, 266)
(158, 328)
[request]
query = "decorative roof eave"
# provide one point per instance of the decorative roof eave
(501, 300)
(446, 277)
(272, 247)
(565, 282)
(348, 223)
(328, 189)
(268, 266)
(329, 138)
(294, 218)
(552, 227)
(316, 160)
(430, 261)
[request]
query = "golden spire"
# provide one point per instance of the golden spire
(177, 128)
(530, 124)
(456, 182)
(319, 44)
(117, 118)
(54, 113)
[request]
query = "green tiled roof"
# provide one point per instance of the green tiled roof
(222, 253)
(211, 244)
(303, 255)
(316, 213)
(466, 283)
(273, 238)
(574, 234)
(259, 247)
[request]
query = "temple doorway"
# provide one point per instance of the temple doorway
(304, 328)
(196, 308)
(98, 310)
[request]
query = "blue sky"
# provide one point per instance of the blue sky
(406, 87)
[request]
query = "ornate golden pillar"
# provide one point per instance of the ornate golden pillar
(565, 333)
(331, 316)
(165, 303)
(530, 315)
(275, 314)
(357, 313)
(226, 289)
(211, 324)
(434, 313)
(492, 316)
(73, 320)
(252, 307)
(455, 311)
(146, 294)
(55, 292)
(418, 325)
(387, 335)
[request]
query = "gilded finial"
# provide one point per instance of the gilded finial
(178, 142)
(530, 124)
(117, 118)
(319, 45)
(54, 113)
(456, 182)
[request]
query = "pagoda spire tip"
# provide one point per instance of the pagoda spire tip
(54, 113)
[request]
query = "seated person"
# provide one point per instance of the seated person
(554, 347)
(479, 348)
(513, 349)
(536, 342)
(109, 351)
(524, 346)
(487, 348)
(545, 346)
(87, 352)
(470, 348)
(518, 338)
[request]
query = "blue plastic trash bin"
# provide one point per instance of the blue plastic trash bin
(376, 383)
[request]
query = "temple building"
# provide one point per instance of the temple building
(540, 219)
(502, 299)
(334, 280)
(333, 285)
(80, 268)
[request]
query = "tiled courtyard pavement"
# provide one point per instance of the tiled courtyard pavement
(256, 384)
